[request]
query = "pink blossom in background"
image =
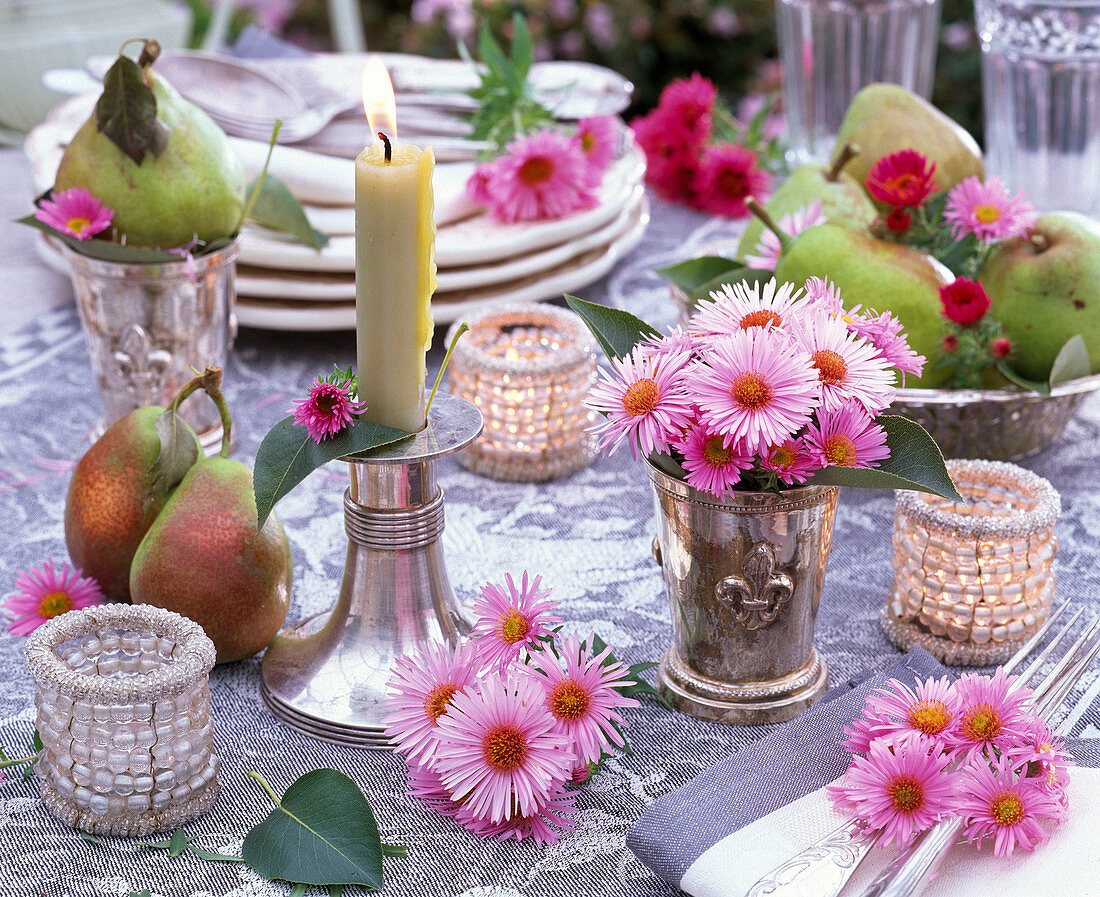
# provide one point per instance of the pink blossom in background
(847, 438)
(791, 460)
(712, 460)
(743, 306)
(727, 176)
(75, 212)
(599, 139)
(42, 593)
(767, 249)
(775, 123)
(326, 411)
(458, 15)
(848, 367)
(269, 15)
(987, 210)
(723, 22)
(510, 619)
(599, 23)
(691, 102)
(672, 154)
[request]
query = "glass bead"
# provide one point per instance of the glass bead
(143, 784)
(124, 784)
(161, 799)
(124, 738)
(138, 803)
(82, 774)
(82, 796)
(103, 780)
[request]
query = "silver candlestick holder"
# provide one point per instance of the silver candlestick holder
(327, 675)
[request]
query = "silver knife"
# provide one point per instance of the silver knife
(822, 869)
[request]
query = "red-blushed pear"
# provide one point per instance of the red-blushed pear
(1045, 288)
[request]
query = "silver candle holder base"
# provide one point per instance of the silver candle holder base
(327, 675)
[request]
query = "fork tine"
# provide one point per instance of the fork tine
(1056, 693)
(1030, 644)
(1055, 677)
(1044, 655)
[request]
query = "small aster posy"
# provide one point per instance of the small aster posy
(43, 593)
(498, 731)
(329, 408)
(75, 212)
(974, 749)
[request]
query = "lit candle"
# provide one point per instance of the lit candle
(394, 263)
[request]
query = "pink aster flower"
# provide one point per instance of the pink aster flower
(541, 176)
(583, 698)
(755, 386)
(900, 788)
(672, 159)
(822, 293)
(987, 210)
(555, 816)
(643, 400)
(75, 212)
(326, 411)
(847, 438)
(43, 593)
(767, 248)
(791, 460)
(477, 185)
(426, 786)
(690, 102)
(1044, 752)
(927, 711)
(727, 176)
(883, 331)
(712, 460)
(995, 803)
(674, 350)
(740, 306)
(848, 367)
(421, 687)
(599, 139)
(504, 756)
(508, 622)
(992, 713)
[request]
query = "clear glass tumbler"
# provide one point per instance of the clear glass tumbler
(832, 48)
(1041, 93)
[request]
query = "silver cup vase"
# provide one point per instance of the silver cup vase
(744, 578)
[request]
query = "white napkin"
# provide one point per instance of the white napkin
(1068, 864)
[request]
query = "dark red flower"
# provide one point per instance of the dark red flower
(964, 301)
(691, 102)
(904, 178)
(950, 343)
(1001, 348)
(899, 220)
(672, 159)
(728, 176)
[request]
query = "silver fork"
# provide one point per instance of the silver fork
(824, 868)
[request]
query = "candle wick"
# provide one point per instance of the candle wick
(386, 148)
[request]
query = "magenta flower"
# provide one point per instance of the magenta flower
(791, 460)
(508, 622)
(671, 152)
(1040, 746)
(900, 787)
(422, 686)
(75, 212)
(43, 593)
(541, 176)
(848, 368)
(927, 711)
(583, 698)
(712, 460)
(991, 715)
(477, 185)
(986, 210)
(727, 176)
(673, 351)
(883, 331)
(847, 438)
(824, 294)
(741, 306)
(426, 786)
(554, 817)
(690, 103)
(326, 411)
(504, 756)
(643, 400)
(599, 139)
(767, 248)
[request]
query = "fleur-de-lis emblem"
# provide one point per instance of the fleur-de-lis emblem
(759, 592)
(140, 366)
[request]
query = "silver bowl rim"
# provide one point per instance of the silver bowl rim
(1002, 396)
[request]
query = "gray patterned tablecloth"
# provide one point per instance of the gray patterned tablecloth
(589, 537)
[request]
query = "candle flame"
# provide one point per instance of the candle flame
(378, 99)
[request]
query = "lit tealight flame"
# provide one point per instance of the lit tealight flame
(378, 100)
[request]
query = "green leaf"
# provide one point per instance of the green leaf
(288, 455)
(36, 741)
(126, 111)
(212, 857)
(616, 331)
(101, 249)
(521, 48)
(322, 832)
(738, 275)
(178, 843)
(915, 462)
(142, 893)
(89, 839)
(1033, 385)
(178, 453)
(693, 273)
(276, 208)
(1071, 362)
(298, 890)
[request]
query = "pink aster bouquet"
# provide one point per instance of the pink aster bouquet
(769, 386)
(974, 749)
(496, 731)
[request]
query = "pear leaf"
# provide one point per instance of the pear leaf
(616, 331)
(288, 455)
(1033, 385)
(321, 832)
(737, 275)
(693, 273)
(126, 111)
(178, 452)
(915, 462)
(144, 892)
(1071, 362)
(101, 249)
(276, 208)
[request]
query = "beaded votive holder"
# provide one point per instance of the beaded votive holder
(973, 581)
(123, 709)
(528, 369)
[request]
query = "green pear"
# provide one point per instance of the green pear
(1045, 287)
(113, 500)
(885, 118)
(843, 200)
(877, 275)
(204, 558)
(193, 188)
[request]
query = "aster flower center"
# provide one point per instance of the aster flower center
(54, 604)
(439, 698)
(901, 182)
(929, 716)
(588, 142)
(568, 700)
(536, 170)
(840, 450)
(1006, 809)
(78, 224)
(715, 452)
(906, 794)
(505, 747)
(732, 183)
(831, 367)
(981, 723)
(762, 317)
(782, 456)
(987, 214)
(514, 627)
(641, 397)
(751, 391)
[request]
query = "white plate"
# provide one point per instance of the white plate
(572, 276)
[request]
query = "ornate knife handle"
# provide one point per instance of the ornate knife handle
(822, 869)
(911, 869)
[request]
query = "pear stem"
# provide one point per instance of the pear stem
(1039, 242)
(847, 153)
(209, 380)
(149, 53)
(247, 210)
(760, 212)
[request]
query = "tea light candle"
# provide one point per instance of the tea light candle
(973, 581)
(527, 368)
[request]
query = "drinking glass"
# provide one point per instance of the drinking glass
(832, 48)
(1041, 94)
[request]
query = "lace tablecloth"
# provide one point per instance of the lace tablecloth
(589, 536)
